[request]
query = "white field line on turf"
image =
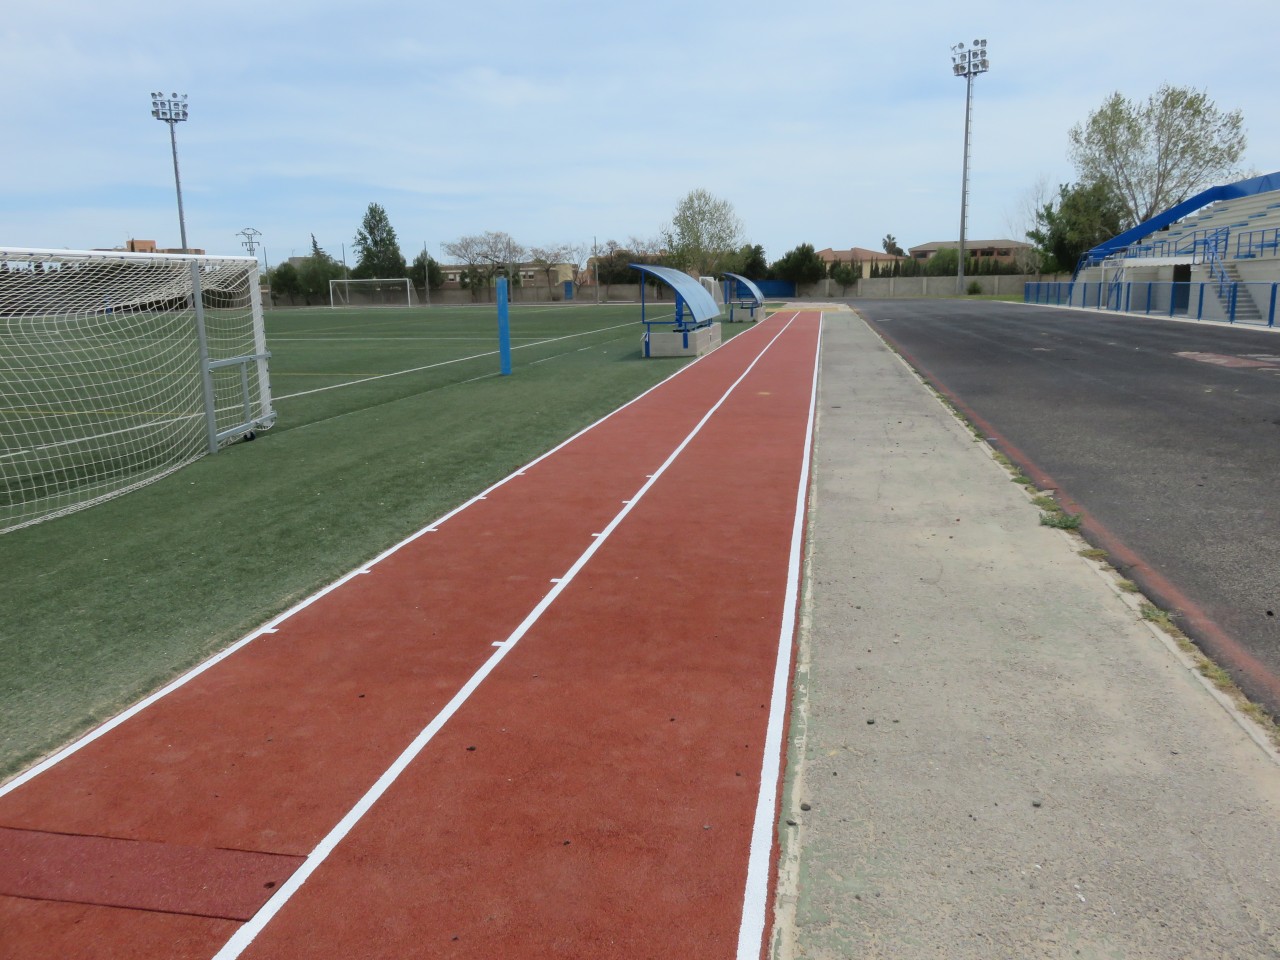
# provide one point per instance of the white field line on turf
(271, 625)
(756, 896)
(445, 363)
(243, 937)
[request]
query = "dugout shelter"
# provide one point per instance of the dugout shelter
(742, 295)
(695, 329)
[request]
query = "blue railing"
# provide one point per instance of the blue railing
(1234, 302)
(1255, 243)
(1170, 246)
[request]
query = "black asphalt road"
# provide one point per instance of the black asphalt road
(1174, 461)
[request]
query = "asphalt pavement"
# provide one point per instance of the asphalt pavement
(1165, 435)
(991, 754)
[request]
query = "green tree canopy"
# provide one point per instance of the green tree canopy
(425, 269)
(751, 262)
(285, 281)
(943, 263)
(800, 265)
(315, 273)
(612, 264)
(890, 245)
(1156, 154)
(377, 249)
(846, 274)
(703, 235)
(1085, 216)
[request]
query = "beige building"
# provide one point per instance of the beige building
(1001, 251)
(531, 274)
(858, 255)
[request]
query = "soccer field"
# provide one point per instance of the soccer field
(387, 418)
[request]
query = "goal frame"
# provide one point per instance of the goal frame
(179, 337)
(410, 295)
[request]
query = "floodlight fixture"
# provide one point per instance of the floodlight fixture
(968, 64)
(173, 110)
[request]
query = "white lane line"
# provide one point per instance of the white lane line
(756, 895)
(269, 627)
(243, 937)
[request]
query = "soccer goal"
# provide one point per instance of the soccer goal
(372, 293)
(118, 368)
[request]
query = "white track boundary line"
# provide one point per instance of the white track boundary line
(243, 937)
(756, 895)
(270, 626)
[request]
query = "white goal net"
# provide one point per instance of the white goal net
(372, 293)
(117, 369)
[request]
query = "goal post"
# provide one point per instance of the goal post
(118, 368)
(395, 292)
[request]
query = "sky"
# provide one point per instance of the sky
(564, 122)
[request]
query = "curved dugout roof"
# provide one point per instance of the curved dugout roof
(755, 291)
(700, 303)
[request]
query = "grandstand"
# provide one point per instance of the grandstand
(1215, 256)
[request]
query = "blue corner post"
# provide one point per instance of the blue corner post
(504, 328)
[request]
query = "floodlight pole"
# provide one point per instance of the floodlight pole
(968, 64)
(173, 110)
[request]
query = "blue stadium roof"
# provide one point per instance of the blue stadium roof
(1229, 191)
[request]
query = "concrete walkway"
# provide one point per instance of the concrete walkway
(992, 755)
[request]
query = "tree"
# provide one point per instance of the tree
(703, 233)
(1158, 153)
(316, 272)
(890, 245)
(613, 265)
(846, 274)
(548, 259)
(285, 282)
(800, 265)
(751, 262)
(486, 256)
(942, 264)
(1085, 216)
(579, 254)
(425, 270)
(377, 248)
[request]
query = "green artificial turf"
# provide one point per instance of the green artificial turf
(102, 606)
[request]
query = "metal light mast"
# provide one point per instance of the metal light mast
(968, 64)
(173, 110)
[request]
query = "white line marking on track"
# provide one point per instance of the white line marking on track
(756, 894)
(243, 937)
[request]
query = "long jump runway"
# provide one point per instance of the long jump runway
(549, 724)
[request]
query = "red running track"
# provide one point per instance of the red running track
(548, 725)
